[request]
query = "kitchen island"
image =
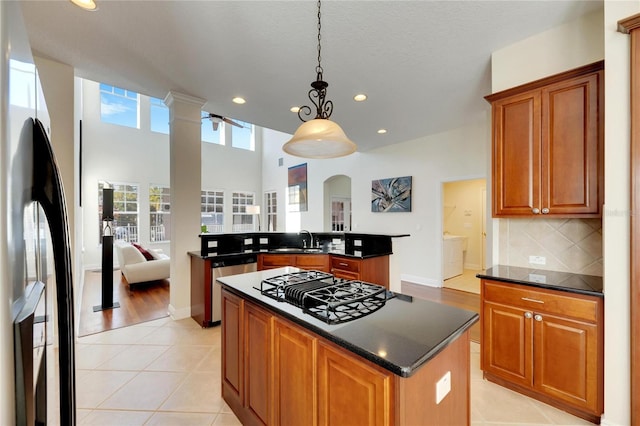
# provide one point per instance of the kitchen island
(405, 362)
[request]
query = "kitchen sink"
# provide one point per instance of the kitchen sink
(298, 250)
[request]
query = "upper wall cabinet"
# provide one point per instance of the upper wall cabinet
(547, 146)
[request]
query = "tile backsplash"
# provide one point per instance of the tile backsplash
(569, 245)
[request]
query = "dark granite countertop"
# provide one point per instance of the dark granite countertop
(288, 250)
(563, 281)
(400, 337)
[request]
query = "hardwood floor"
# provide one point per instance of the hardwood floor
(143, 302)
(457, 298)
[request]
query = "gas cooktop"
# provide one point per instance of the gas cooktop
(325, 297)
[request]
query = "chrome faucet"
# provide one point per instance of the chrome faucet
(304, 243)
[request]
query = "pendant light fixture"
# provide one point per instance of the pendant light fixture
(320, 137)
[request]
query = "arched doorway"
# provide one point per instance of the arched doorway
(337, 204)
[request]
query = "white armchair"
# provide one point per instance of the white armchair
(136, 268)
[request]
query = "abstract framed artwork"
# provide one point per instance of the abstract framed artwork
(298, 188)
(391, 195)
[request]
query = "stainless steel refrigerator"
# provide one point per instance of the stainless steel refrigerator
(37, 363)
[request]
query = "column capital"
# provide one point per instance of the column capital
(173, 96)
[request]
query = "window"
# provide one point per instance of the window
(211, 211)
(159, 116)
(125, 211)
(118, 106)
(159, 213)
(210, 135)
(242, 221)
(272, 210)
(22, 80)
(242, 137)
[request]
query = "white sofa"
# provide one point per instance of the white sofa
(136, 268)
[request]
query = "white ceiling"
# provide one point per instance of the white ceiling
(425, 65)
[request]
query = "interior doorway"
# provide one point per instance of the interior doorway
(337, 204)
(464, 233)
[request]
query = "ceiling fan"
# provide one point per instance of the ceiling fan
(217, 119)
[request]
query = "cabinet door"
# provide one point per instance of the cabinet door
(516, 155)
(506, 340)
(294, 375)
(318, 262)
(566, 361)
(270, 261)
(232, 354)
(351, 392)
(257, 363)
(571, 152)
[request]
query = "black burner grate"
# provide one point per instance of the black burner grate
(275, 287)
(345, 301)
(321, 295)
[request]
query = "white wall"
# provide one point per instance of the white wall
(431, 160)
(562, 48)
(616, 217)
(139, 156)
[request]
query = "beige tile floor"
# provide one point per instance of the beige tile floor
(465, 282)
(167, 372)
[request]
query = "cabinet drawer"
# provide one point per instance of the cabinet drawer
(278, 260)
(311, 260)
(351, 265)
(542, 300)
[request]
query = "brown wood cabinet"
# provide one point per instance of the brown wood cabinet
(350, 390)
(276, 372)
(547, 146)
(544, 343)
(372, 270)
(294, 375)
(318, 262)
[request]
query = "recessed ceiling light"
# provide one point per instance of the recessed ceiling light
(294, 109)
(86, 4)
(238, 100)
(382, 131)
(360, 97)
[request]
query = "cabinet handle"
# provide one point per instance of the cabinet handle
(532, 300)
(343, 264)
(535, 210)
(538, 317)
(528, 315)
(545, 210)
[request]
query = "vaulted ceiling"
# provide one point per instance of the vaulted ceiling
(424, 65)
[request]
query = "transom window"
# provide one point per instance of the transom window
(125, 211)
(159, 213)
(208, 134)
(212, 210)
(119, 106)
(242, 221)
(242, 137)
(22, 84)
(159, 116)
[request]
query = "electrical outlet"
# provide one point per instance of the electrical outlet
(538, 260)
(443, 387)
(538, 278)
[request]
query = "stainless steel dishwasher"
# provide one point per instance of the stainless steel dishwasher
(223, 268)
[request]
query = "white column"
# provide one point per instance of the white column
(185, 180)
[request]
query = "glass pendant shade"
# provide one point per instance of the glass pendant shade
(319, 138)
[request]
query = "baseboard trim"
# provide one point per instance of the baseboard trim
(414, 279)
(178, 314)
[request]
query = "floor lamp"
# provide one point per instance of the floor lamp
(254, 210)
(107, 252)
